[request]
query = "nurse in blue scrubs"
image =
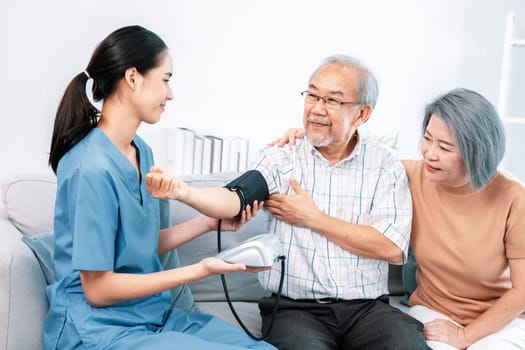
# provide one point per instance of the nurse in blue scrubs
(110, 290)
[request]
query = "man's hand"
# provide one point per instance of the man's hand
(446, 332)
(296, 209)
(165, 186)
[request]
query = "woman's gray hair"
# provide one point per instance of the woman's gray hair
(367, 88)
(478, 130)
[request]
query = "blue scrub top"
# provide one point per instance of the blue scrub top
(104, 220)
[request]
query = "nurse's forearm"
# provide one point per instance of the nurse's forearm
(175, 236)
(103, 288)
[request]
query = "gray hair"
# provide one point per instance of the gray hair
(367, 89)
(477, 128)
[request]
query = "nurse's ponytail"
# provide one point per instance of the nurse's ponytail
(76, 116)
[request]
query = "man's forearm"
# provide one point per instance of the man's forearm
(363, 240)
(217, 202)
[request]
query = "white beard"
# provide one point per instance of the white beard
(321, 143)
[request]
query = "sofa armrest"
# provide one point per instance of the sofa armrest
(23, 303)
(395, 283)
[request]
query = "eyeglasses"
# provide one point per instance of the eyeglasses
(329, 102)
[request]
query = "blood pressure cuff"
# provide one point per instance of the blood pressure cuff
(250, 186)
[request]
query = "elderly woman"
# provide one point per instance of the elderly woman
(468, 229)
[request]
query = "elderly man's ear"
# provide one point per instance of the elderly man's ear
(365, 111)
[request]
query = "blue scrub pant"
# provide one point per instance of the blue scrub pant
(180, 331)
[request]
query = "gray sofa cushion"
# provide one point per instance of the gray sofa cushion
(42, 246)
(248, 312)
(30, 202)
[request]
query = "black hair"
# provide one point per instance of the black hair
(76, 116)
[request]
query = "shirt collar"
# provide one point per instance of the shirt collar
(353, 155)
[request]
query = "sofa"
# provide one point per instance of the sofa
(26, 224)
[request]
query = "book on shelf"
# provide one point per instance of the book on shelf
(181, 143)
(242, 150)
(206, 155)
(189, 151)
(197, 154)
(225, 155)
(192, 153)
(235, 154)
(216, 153)
(175, 151)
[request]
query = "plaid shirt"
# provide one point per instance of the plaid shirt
(369, 187)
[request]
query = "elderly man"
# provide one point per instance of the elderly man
(341, 208)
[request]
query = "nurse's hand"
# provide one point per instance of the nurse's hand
(165, 186)
(218, 266)
(234, 224)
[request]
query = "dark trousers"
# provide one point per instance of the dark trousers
(357, 324)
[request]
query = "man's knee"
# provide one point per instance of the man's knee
(399, 331)
(292, 332)
(301, 342)
(408, 335)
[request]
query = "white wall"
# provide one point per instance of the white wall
(239, 65)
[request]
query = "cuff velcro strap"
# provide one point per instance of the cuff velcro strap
(250, 186)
